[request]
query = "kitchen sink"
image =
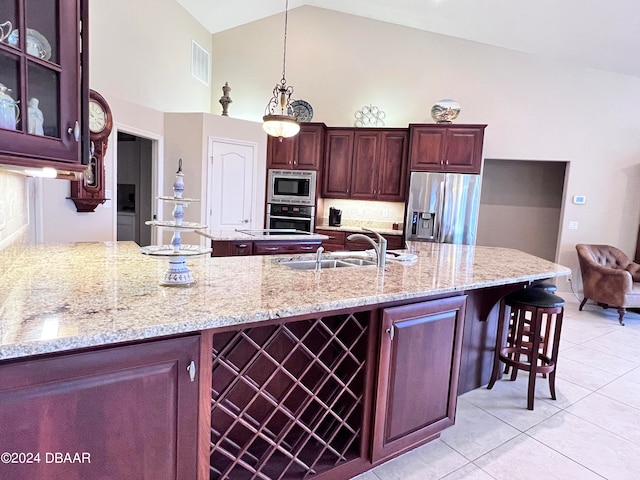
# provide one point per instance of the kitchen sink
(359, 262)
(327, 263)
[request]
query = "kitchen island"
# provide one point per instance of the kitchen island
(257, 369)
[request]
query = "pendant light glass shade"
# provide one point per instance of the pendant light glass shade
(278, 122)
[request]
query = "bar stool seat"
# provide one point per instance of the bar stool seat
(546, 285)
(529, 326)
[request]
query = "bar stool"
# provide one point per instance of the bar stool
(547, 287)
(532, 319)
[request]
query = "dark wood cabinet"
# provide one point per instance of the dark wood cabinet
(338, 240)
(392, 166)
(374, 168)
(338, 164)
(41, 66)
(225, 248)
(127, 412)
(279, 247)
(301, 152)
(364, 175)
(420, 349)
(450, 148)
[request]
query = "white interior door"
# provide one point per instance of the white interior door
(231, 184)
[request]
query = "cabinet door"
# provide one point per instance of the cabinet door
(301, 152)
(132, 412)
(280, 152)
(420, 349)
(464, 150)
(364, 176)
(44, 78)
(310, 142)
(337, 164)
(427, 148)
(392, 167)
(451, 148)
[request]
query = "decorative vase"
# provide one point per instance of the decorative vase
(445, 110)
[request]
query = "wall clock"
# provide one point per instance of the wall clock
(88, 193)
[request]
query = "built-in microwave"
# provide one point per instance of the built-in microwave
(296, 187)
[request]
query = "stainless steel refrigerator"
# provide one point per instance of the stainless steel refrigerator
(443, 207)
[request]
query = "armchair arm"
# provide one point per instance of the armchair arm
(605, 284)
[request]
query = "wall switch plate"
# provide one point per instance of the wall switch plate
(107, 203)
(573, 225)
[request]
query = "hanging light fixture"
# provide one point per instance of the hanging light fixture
(277, 120)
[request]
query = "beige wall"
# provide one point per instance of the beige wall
(521, 205)
(187, 136)
(536, 109)
(140, 52)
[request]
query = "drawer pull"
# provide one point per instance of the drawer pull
(306, 247)
(243, 245)
(392, 332)
(272, 249)
(191, 368)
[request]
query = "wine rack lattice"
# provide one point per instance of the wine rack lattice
(286, 400)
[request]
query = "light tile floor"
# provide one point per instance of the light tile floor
(592, 430)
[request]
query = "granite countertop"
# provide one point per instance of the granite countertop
(62, 297)
(232, 235)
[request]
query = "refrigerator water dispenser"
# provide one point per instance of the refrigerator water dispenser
(422, 225)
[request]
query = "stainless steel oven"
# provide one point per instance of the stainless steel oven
(292, 187)
(300, 217)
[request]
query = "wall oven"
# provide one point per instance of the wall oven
(299, 217)
(292, 187)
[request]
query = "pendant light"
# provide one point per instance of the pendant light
(277, 120)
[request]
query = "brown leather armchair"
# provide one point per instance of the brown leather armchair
(609, 277)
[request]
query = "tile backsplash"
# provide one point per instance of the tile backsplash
(365, 213)
(14, 217)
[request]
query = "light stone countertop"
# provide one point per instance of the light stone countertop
(62, 297)
(231, 235)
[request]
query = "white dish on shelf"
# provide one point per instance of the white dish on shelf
(184, 226)
(167, 250)
(179, 200)
(302, 110)
(37, 44)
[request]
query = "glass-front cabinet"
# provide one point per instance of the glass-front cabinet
(42, 95)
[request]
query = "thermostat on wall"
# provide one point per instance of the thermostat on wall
(579, 199)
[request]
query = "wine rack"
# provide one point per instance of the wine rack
(287, 400)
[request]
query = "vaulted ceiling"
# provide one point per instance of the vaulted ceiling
(603, 34)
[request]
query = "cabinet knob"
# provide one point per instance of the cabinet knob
(392, 332)
(75, 131)
(191, 368)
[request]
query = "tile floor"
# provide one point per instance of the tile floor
(592, 430)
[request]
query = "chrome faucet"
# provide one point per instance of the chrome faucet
(319, 258)
(380, 247)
